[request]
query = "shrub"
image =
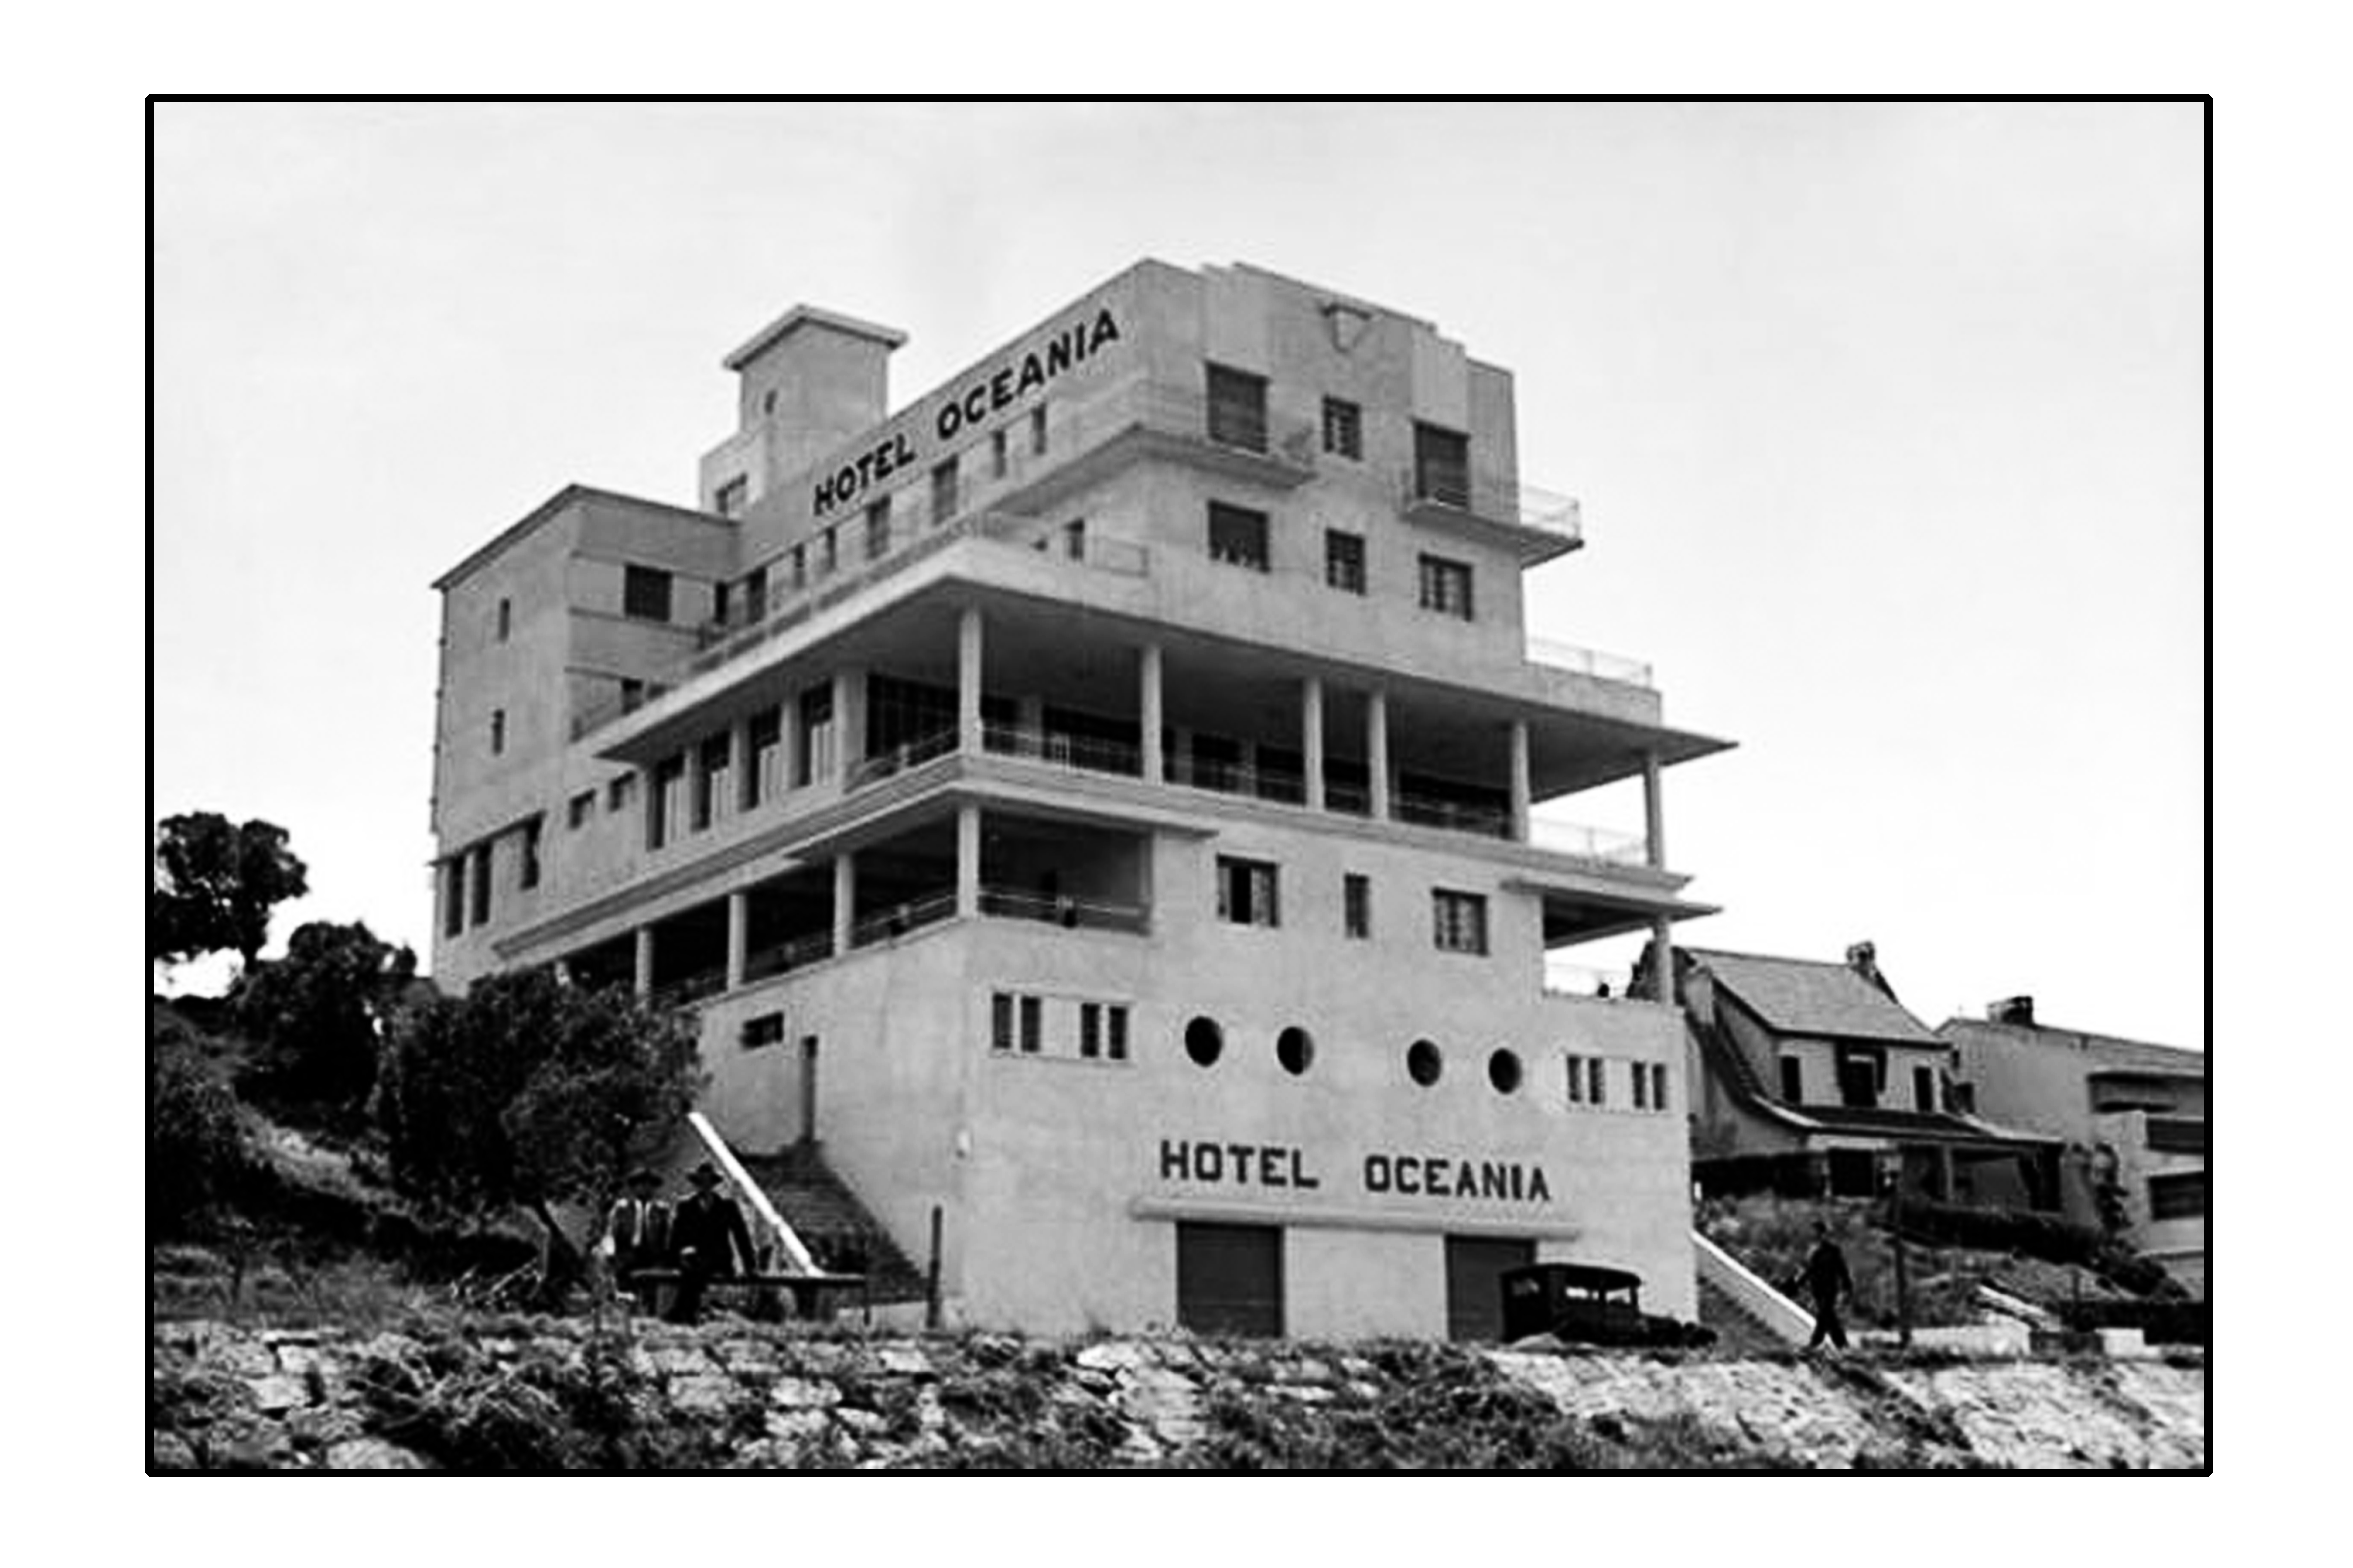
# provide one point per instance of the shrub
(196, 1139)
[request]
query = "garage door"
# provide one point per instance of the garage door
(1230, 1278)
(1474, 1290)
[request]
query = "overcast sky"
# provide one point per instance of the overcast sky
(1886, 421)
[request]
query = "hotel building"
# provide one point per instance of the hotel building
(1094, 810)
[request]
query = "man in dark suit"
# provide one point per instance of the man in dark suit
(708, 1235)
(1827, 1279)
(638, 1233)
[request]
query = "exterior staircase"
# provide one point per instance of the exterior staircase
(1737, 1329)
(831, 1222)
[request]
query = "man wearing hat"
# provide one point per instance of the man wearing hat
(708, 1235)
(637, 1233)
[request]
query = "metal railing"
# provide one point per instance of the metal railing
(1601, 844)
(899, 759)
(1562, 978)
(1237, 778)
(1589, 661)
(899, 919)
(1010, 903)
(1082, 751)
(688, 990)
(1459, 817)
(784, 957)
(1475, 492)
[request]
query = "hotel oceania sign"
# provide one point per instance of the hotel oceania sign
(1268, 1166)
(1007, 386)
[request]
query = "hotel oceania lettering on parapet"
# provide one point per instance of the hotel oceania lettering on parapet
(997, 391)
(1270, 1165)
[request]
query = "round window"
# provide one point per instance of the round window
(1296, 1049)
(1204, 1041)
(1423, 1064)
(1504, 1071)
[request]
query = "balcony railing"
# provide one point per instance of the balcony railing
(688, 990)
(899, 919)
(1588, 662)
(1086, 752)
(1444, 489)
(1589, 842)
(1562, 978)
(899, 759)
(1459, 817)
(1234, 778)
(1010, 903)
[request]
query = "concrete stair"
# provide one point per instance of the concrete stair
(1737, 1329)
(831, 1222)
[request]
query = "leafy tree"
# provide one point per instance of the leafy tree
(216, 884)
(530, 1092)
(321, 1012)
(195, 1141)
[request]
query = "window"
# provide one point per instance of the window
(714, 761)
(944, 492)
(1344, 428)
(477, 885)
(618, 790)
(1116, 1045)
(1000, 1022)
(829, 556)
(2180, 1196)
(506, 618)
(1923, 1089)
(1343, 561)
(453, 895)
(729, 501)
(1504, 1070)
(1441, 465)
(763, 739)
(1246, 892)
(581, 808)
(1038, 430)
(1423, 1064)
(645, 593)
(1459, 921)
(1596, 1082)
(1657, 1086)
(1294, 1049)
(1204, 1041)
(1089, 1029)
(1446, 587)
(763, 1029)
(1356, 905)
(498, 730)
(1576, 1080)
(1793, 1080)
(664, 808)
(1860, 1071)
(878, 529)
(1641, 1087)
(528, 873)
(755, 594)
(719, 601)
(996, 452)
(1237, 408)
(1074, 539)
(633, 694)
(800, 561)
(813, 758)
(1032, 1014)
(1238, 536)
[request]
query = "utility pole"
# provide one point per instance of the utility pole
(1902, 1274)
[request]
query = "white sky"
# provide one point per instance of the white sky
(1886, 421)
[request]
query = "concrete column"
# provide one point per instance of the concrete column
(739, 936)
(1311, 738)
(1655, 811)
(849, 717)
(1663, 953)
(845, 900)
(1149, 712)
(788, 742)
(1377, 751)
(739, 766)
(970, 662)
(645, 975)
(967, 860)
(1523, 791)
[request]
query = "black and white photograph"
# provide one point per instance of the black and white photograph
(1199, 787)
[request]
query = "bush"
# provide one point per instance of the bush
(196, 1138)
(2043, 1236)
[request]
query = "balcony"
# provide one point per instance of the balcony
(1453, 816)
(1072, 914)
(1240, 438)
(1085, 753)
(1449, 496)
(1562, 978)
(898, 920)
(1589, 662)
(768, 963)
(1598, 844)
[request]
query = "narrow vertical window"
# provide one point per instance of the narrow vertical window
(1657, 1086)
(944, 492)
(1576, 1080)
(1090, 1029)
(453, 895)
(1000, 1022)
(1596, 1084)
(529, 874)
(1793, 1080)
(1031, 1024)
(1344, 428)
(506, 618)
(478, 884)
(498, 730)
(763, 741)
(878, 529)
(996, 454)
(1074, 539)
(1641, 1086)
(1356, 905)
(1923, 1089)
(1343, 561)
(1038, 431)
(1118, 1042)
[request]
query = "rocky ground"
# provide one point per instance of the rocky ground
(514, 1392)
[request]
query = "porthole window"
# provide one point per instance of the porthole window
(1296, 1049)
(1504, 1071)
(1423, 1064)
(1204, 1041)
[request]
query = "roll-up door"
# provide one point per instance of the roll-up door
(1230, 1278)
(1474, 1290)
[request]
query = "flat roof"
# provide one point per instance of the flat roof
(553, 506)
(814, 316)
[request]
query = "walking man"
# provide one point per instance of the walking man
(710, 1234)
(1826, 1280)
(637, 1234)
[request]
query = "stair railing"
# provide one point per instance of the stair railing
(787, 1240)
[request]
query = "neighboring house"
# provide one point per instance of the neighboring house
(2133, 1116)
(1811, 1077)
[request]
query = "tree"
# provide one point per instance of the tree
(216, 884)
(196, 1139)
(321, 1013)
(530, 1092)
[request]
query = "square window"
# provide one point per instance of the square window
(1238, 536)
(1246, 892)
(1446, 587)
(645, 593)
(763, 1029)
(582, 807)
(1459, 921)
(1356, 905)
(1344, 428)
(1343, 561)
(617, 791)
